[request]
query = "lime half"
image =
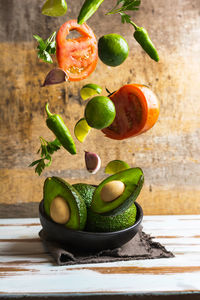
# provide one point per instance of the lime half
(54, 8)
(81, 130)
(116, 166)
(90, 90)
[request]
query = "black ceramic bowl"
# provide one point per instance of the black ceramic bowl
(89, 241)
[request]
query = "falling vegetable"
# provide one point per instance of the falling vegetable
(56, 124)
(63, 138)
(81, 130)
(55, 76)
(142, 37)
(88, 9)
(137, 110)
(54, 8)
(46, 150)
(93, 162)
(76, 56)
(89, 90)
(140, 34)
(116, 166)
(46, 47)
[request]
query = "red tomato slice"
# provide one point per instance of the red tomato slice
(137, 110)
(78, 56)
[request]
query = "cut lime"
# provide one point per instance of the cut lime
(116, 166)
(81, 130)
(54, 8)
(90, 90)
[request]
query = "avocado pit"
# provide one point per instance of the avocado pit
(59, 210)
(112, 190)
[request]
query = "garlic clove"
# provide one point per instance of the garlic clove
(55, 76)
(92, 162)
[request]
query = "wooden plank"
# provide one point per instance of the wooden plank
(23, 269)
(66, 282)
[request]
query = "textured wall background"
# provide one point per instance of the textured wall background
(169, 153)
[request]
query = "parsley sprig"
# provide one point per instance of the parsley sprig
(126, 5)
(46, 150)
(46, 47)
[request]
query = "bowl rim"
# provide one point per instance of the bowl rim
(139, 209)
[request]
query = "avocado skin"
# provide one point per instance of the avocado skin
(133, 180)
(86, 191)
(55, 186)
(99, 223)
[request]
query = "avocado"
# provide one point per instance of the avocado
(57, 187)
(86, 191)
(101, 223)
(132, 179)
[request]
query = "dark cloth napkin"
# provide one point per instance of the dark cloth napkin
(140, 246)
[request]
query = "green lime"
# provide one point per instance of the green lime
(81, 130)
(54, 8)
(100, 112)
(90, 90)
(112, 49)
(116, 166)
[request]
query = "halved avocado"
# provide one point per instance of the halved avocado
(133, 180)
(86, 191)
(54, 187)
(101, 223)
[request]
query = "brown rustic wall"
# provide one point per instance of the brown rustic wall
(169, 153)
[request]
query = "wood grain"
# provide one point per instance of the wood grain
(168, 153)
(138, 270)
(33, 272)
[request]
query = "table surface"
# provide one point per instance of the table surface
(26, 269)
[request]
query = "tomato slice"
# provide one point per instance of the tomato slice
(78, 56)
(137, 110)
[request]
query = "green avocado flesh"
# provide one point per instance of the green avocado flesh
(55, 186)
(133, 180)
(86, 191)
(100, 223)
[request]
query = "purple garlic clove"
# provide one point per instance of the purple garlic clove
(93, 162)
(55, 76)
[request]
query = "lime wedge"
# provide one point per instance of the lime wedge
(90, 90)
(116, 166)
(54, 8)
(81, 130)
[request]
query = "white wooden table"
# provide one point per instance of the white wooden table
(27, 270)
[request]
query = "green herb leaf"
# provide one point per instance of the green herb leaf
(35, 162)
(126, 5)
(48, 157)
(42, 44)
(53, 146)
(40, 167)
(46, 150)
(51, 48)
(125, 18)
(46, 47)
(45, 56)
